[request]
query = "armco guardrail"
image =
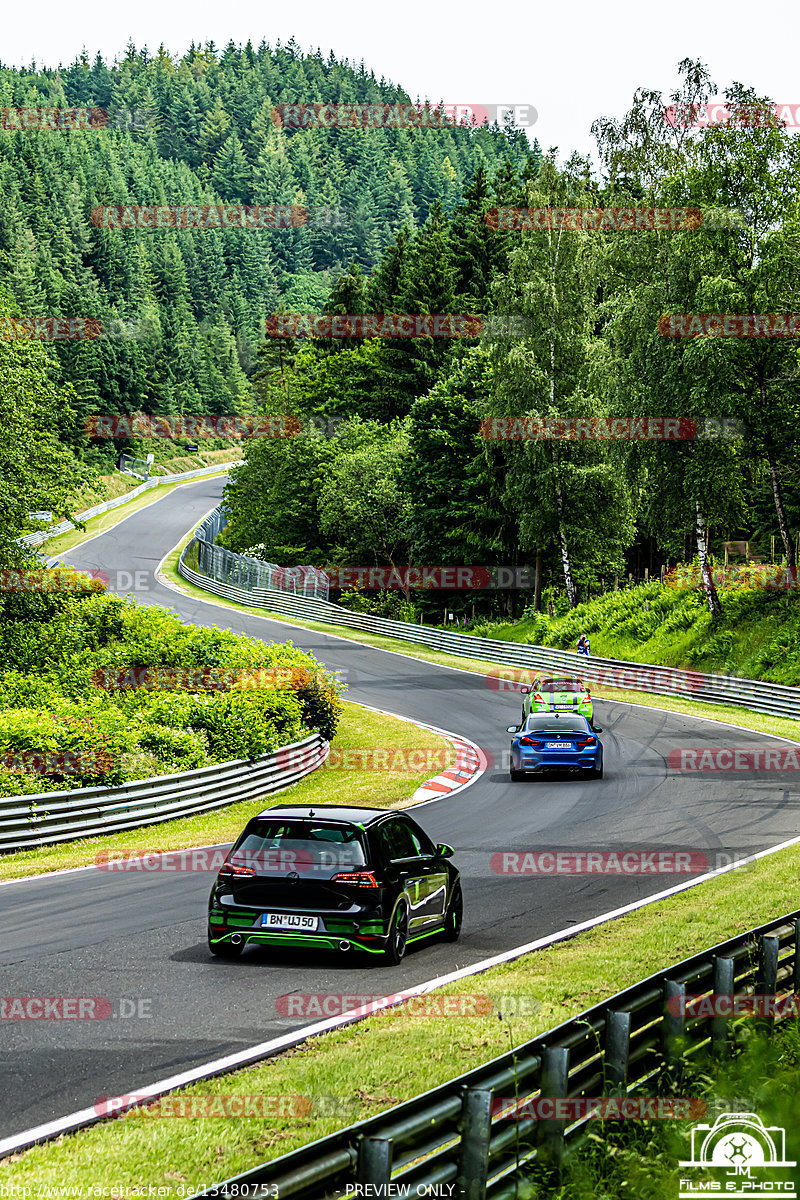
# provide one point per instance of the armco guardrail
(44, 535)
(607, 673)
(27, 821)
(459, 1134)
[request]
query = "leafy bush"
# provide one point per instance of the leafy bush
(249, 724)
(389, 603)
(68, 720)
(178, 749)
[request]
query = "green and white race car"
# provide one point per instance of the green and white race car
(557, 693)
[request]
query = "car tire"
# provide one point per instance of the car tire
(516, 776)
(598, 771)
(397, 940)
(454, 916)
(224, 949)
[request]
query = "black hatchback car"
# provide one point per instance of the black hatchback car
(334, 878)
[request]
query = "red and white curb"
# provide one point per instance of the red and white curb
(470, 763)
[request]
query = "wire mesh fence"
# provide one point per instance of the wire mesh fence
(248, 573)
(140, 467)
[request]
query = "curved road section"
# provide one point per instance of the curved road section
(135, 943)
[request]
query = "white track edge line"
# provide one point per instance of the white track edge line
(265, 1050)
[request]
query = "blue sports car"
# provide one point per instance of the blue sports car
(556, 741)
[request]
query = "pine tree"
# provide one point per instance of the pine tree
(231, 174)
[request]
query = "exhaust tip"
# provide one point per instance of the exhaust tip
(236, 939)
(344, 945)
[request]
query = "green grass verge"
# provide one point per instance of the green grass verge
(359, 729)
(733, 714)
(393, 1056)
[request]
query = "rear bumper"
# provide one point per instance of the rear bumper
(298, 941)
(583, 710)
(559, 762)
(365, 929)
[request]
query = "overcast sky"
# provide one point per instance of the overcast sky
(573, 61)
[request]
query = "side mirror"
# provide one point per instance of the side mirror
(597, 729)
(444, 851)
(525, 691)
(513, 728)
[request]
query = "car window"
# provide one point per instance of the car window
(562, 685)
(397, 842)
(299, 845)
(421, 840)
(552, 722)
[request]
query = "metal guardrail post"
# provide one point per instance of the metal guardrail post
(375, 1162)
(723, 986)
(555, 1071)
(768, 964)
(767, 983)
(796, 967)
(618, 1042)
(476, 1127)
(674, 1026)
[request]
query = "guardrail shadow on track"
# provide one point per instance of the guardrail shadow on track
(611, 673)
(456, 1134)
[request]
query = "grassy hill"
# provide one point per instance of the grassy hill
(758, 635)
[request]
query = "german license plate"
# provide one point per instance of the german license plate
(558, 745)
(295, 921)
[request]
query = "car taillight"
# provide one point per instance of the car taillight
(584, 742)
(526, 741)
(364, 879)
(229, 870)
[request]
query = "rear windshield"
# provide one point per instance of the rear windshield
(552, 723)
(562, 685)
(277, 847)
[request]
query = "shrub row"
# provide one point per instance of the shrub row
(72, 715)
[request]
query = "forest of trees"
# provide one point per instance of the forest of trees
(198, 130)
(394, 468)
(410, 479)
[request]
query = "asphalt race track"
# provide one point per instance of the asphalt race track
(140, 940)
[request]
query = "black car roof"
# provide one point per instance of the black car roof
(328, 812)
